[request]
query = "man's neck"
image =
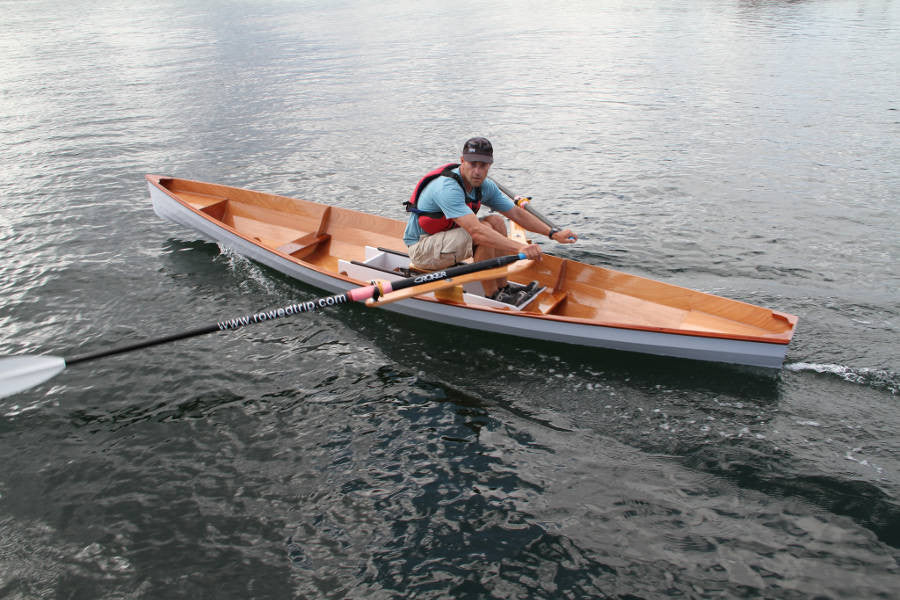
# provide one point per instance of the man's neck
(466, 184)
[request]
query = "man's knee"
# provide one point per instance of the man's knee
(497, 222)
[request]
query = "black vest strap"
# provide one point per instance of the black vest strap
(447, 172)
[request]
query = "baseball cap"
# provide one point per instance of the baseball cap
(478, 149)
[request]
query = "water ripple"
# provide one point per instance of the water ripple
(874, 378)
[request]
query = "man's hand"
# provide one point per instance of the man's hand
(566, 236)
(531, 251)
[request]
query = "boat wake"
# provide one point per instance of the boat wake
(251, 273)
(882, 379)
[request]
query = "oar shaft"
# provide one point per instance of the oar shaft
(482, 265)
(527, 206)
(354, 295)
(20, 373)
(143, 344)
(433, 286)
(234, 323)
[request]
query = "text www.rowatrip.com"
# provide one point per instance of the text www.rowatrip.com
(285, 311)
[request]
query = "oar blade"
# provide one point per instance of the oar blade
(18, 373)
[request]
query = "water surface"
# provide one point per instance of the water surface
(747, 149)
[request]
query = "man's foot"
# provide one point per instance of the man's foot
(530, 289)
(515, 293)
(504, 294)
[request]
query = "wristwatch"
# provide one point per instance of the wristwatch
(553, 231)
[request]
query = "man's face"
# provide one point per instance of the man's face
(475, 172)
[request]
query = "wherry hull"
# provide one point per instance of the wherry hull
(325, 247)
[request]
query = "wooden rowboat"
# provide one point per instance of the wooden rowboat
(336, 249)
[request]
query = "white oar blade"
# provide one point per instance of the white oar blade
(18, 373)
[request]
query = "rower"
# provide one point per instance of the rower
(444, 229)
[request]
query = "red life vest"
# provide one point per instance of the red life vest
(434, 222)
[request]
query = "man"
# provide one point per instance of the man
(443, 228)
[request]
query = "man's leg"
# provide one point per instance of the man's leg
(498, 223)
(441, 250)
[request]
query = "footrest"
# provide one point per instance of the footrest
(519, 295)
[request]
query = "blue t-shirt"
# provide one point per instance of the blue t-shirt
(444, 194)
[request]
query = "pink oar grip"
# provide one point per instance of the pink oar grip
(364, 293)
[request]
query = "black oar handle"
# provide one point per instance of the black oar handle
(482, 265)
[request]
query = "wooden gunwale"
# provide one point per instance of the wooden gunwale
(323, 225)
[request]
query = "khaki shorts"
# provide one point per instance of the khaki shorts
(441, 250)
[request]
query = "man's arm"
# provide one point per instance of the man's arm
(484, 235)
(532, 223)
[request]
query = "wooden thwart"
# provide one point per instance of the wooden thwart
(309, 243)
(210, 204)
(304, 246)
(548, 301)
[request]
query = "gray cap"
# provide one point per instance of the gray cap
(478, 149)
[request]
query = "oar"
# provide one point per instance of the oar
(18, 373)
(494, 273)
(525, 202)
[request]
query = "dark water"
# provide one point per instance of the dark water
(744, 148)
